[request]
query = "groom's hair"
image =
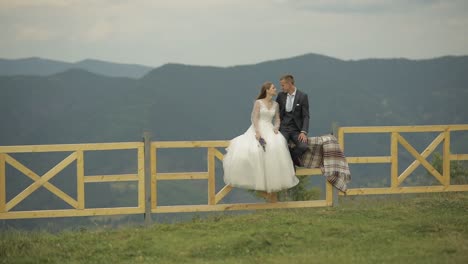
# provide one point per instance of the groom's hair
(289, 78)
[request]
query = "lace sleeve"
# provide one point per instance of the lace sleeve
(255, 116)
(277, 117)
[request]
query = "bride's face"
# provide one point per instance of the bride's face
(272, 90)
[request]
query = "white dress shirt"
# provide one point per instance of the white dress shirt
(290, 101)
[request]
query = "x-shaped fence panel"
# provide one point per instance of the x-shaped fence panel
(397, 139)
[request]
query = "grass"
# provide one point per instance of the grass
(429, 228)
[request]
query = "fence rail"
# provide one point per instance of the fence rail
(77, 205)
(396, 140)
(147, 194)
(214, 198)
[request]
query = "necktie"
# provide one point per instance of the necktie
(289, 103)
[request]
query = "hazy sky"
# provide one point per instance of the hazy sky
(230, 32)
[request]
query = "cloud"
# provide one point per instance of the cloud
(98, 31)
(34, 34)
(11, 4)
(358, 6)
(230, 32)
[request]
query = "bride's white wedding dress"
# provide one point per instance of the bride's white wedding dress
(247, 165)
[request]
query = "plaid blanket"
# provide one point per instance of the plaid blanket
(325, 152)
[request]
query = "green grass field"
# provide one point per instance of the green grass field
(428, 228)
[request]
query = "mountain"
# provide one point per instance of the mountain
(186, 102)
(113, 69)
(42, 67)
(32, 66)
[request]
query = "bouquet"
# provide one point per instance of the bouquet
(262, 143)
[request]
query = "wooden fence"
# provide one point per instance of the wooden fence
(214, 198)
(147, 175)
(78, 207)
(396, 139)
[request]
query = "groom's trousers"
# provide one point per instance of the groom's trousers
(300, 147)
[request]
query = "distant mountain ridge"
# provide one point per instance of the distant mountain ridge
(44, 67)
(395, 92)
(187, 102)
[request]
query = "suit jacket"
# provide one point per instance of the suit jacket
(300, 109)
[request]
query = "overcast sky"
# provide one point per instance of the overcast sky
(230, 32)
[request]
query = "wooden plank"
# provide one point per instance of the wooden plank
(446, 159)
(218, 155)
(329, 194)
(71, 213)
(61, 194)
(376, 159)
(145, 179)
(457, 188)
(154, 182)
(341, 138)
(111, 178)
(399, 190)
(222, 193)
(389, 129)
(70, 147)
(141, 176)
(308, 172)
(236, 207)
(183, 176)
(458, 127)
(190, 144)
(39, 182)
(20, 167)
(49, 186)
(432, 146)
(2, 183)
(458, 156)
(394, 159)
(423, 161)
(211, 177)
(80, 180)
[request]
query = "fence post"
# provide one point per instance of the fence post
(211, 177)
(335, 196)
(147, 141)
(394, 154)
(2, 183)
(335, 202)
(446, 158)
(80, 192)
(334, 129)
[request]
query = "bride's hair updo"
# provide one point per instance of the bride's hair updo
(265, 87)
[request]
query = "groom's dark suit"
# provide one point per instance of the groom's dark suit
(295, 121)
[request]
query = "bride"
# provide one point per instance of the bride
(252, 165)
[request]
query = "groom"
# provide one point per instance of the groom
(294, 115)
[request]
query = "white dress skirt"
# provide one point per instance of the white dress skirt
(247, 165)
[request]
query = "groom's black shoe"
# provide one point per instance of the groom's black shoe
(297, 162)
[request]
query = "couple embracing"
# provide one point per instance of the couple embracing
(260, 159)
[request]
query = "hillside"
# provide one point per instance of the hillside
(429, 228)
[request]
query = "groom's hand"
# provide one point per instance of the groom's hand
(302, 137)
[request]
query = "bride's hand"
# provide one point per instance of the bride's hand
(276, 131)
(257, 135)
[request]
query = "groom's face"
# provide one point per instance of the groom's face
(286, 86)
